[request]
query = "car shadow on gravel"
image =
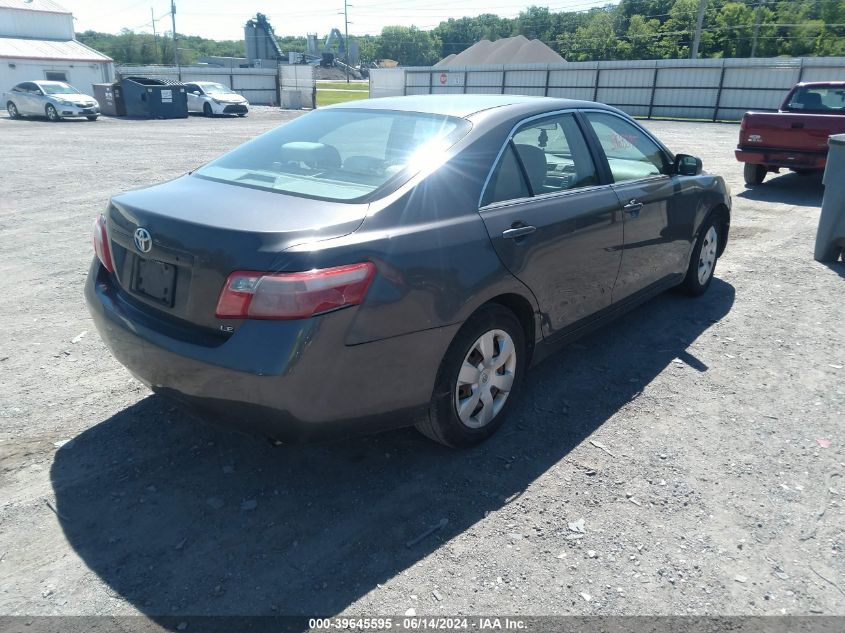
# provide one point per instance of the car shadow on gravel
(789, 188)
(180, 518)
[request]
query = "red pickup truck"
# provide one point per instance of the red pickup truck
(795, 137)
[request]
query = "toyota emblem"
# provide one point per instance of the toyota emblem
(143, 240)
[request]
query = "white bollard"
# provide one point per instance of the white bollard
(830, 238)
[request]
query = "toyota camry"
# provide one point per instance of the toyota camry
(398, 261)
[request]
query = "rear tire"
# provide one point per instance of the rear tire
(478, 379)
(206, 110)
(52, 113)
(754, 174)
(12, 109)
(702, 265)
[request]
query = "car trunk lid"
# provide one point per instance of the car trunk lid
(193, 232)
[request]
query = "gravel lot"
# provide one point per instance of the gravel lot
(687, 459)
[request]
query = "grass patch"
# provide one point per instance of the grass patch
(329, 97)
(342, 85)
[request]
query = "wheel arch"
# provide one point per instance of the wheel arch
(723, 213)
(523, 309)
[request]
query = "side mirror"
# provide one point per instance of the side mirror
(686, 165)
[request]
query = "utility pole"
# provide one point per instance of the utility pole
(698, 24)
(346, 37)
(175, 39)
(758, 17)
(155, 40)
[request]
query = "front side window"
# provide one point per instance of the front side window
(631, 154)
(338, 154)
(830, 99)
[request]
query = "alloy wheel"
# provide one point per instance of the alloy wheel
(13, 110)
(707, 256)
(485, 378)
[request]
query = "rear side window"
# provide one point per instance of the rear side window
(631, 154)
(544, 156)
(339, 154)
(507, 181)
(829, 99)
(555, 155)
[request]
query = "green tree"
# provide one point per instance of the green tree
(409, 46)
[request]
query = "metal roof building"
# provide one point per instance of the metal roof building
(37, 42)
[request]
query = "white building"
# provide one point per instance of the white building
(37, 42)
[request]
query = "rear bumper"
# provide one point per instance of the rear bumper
(291, 380)
(782, 158)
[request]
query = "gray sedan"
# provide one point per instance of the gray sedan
(53, 99)
(398, 261)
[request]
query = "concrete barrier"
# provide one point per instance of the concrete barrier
(830, 237)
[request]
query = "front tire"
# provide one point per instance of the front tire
(754, 174)
(705, 254)
(478, 379)
(92, 118)
(52, 113)
(206, 110)
(12, 109)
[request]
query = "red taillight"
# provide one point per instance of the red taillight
(101, 243)
(252, 295)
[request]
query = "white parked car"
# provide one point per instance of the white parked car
(212, 98)
(53, 99)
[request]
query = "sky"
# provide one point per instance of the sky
(224, 19)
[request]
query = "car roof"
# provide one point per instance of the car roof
(464, 105)
(50, 82)
(817, 84)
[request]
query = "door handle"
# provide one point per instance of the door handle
(518, 231)
(633, 208)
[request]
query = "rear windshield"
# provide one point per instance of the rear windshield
(338, 154)
(829, 99)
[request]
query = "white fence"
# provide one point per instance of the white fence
(298, 86)
(715, 89)
(260, 86)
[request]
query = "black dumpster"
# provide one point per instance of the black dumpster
(155, 98)
(110, 97)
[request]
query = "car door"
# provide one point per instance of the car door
(553, 223)
(39, 99)
(659, 214)
(193, 98)
(29, 99)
